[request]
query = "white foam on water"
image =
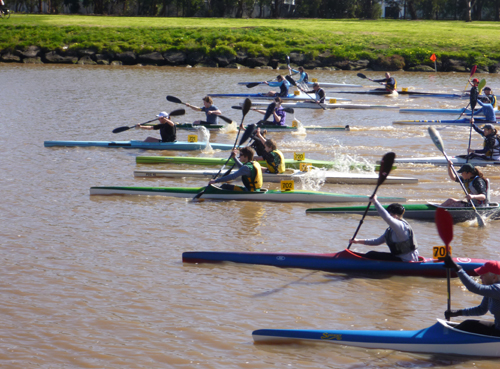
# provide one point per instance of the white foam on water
(204, 136)
(230, 128)
(300, 128)
(312, 180)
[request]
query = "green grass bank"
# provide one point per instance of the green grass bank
(316, 39)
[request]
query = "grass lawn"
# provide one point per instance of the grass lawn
(475, 42)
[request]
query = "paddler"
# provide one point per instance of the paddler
(486, 109)
(211, 111)
(274, 109)
(273, 157)
(282, 83)
(167, 129)
(249, 171)
(399, 236)
(491, 145)
(474, 182)
(490, 290)
(318, 91)
(304, 77)
(489, 94)
(389, 82)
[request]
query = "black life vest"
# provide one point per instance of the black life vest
(400, 248)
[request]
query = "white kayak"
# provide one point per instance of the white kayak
(438, 122)
(329, 105)
(322, 84)
(320, 175)
(440, 160)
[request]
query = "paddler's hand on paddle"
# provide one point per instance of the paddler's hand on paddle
(470, 150)
(373, 199)
(355, 240)
(234, 153)
(450, 263)
(211, 182)
(452, 313)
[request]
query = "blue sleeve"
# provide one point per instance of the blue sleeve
(244, 170)
(492, 291)
(275, 84)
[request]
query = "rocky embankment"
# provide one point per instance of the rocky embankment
(326, 61)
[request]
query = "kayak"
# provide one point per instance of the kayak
(269, 127)
(265, 97)
(441, 111)
(289, 163)
(311, 105)
(216, 193)
(178, 145)
(441, 338)
(440, 160)
(409, 93)
(322, 84)
(454, 122)
(345, 261)
(328, 177)
(417, 211)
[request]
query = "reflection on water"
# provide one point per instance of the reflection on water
(99, 282)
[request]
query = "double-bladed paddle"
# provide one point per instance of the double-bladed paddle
(179, 101)
(292, 81)
(444, 224)
(126, 128)
(249, 133)
(246, 108)
(385, 169)
(436, 138)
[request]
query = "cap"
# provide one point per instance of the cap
(488, 126)
(469, 168)
(475, 80)
(489, 267)
(163, 114)
(315, 84)
(397, 209)
(487, 89)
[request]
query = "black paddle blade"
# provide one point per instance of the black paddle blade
(248, 133)
(269, 110)
(177, 112)
(474, 93)
(289, 110)
(246, 106)
(291, 80)
(120, 129)
(174, 99)
(236, 107)
(361, 75)
(225, 119)
(385, 167)
(251, 85)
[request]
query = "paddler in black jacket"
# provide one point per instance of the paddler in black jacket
(167, 128)
(399, 236)
(274, 158)
(389, 82)
(318, 91)
(249, 170)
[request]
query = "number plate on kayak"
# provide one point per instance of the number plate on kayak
(287, 186)
(305, 167)
(300, 156)
(192, 138)
(439, 252)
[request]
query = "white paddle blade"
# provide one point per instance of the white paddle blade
(436, 138)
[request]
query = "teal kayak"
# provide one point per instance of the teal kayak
(178, 145)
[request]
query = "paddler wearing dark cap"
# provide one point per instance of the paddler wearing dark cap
(488, 92)
(489, 289)
(491, 144)
(399, 236)
(474, 182)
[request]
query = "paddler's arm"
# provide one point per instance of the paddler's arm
(451, 174)
(193, 107)
(244, 170)
(397, 226)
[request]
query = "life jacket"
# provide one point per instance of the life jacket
(285, 85)
(320, 98)
(390, 86)
(469, 185)
(400, 248)
(493, 152)
(493, 100)
(278, 163)
(254, 181)
(305, 77)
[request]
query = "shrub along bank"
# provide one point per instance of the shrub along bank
(340, 44)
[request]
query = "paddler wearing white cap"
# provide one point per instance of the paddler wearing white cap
(490, 290)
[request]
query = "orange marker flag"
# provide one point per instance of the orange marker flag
(433, 57)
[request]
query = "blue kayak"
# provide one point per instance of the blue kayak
(346, 261)
(301, 97)
(178, 145)
(441, 111)
(449, 122)
(441, 338)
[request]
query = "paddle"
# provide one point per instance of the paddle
(385, 169)
(472, 71)
(246, 108)
(249, 130)
(436, 138)
(126, 128)
(288, 110)
(444, 223)
(292, 81)
(179, 101)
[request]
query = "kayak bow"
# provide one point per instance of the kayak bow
(178, 145)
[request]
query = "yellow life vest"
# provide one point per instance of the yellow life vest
(255, 180)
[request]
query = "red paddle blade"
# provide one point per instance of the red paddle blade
(473, 70)
(444, 223)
